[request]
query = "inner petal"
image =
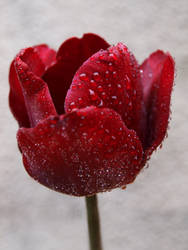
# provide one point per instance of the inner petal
(110, 79)
(70, 56)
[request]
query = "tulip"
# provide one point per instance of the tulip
(89, 115)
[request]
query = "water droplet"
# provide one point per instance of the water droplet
(101, 103)
(114, 97)
(80, 101)
(96, 76)
(107, 73)
(114, 74)
(74, 87)
(79, 85)
(100, 89)
(115, 100)
(104, 96)
(130, 105)
(93, 83)
(110, 64)
(93, 95)
(72, 105)
(83, 77)
(101, 57)
(113, 56)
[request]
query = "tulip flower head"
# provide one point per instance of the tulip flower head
(89, 115)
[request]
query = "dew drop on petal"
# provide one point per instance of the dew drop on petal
(110, 64)
(83, 77)
(101, 103)
(100, 89)
(114, 74)
(93, 95)
(96, 76)
(72, 105)
(93, 83)
(80, 101)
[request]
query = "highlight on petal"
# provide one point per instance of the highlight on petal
(70, 56)
(157, 80)
(37, 59)
(110, 78)
(81, 153)
(36, 95)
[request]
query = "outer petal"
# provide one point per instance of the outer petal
(37, 58)
(70, 56)
(81, 153)
(37, 98)
(16, 99)
(110, 79)
(157, 79)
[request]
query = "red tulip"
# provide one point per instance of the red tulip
(90, 116)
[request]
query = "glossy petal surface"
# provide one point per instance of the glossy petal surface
(37, 59)
(87, 151)
(36, 95)
(110, 78)
(157, 80)
(70, 56)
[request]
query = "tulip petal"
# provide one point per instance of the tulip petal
(37, 98)
(46, 54)
(70, 56)
(110, 78)
(157, 79)
(37, 58)
(16, 99)
(81, 153)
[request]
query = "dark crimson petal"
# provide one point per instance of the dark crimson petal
(80, 49)
(110, 79)
(157, 79)
(16, 99)
(37, 58)
(37, 98)
(81, 153)
(70, 56)
(31, 57)
(46, 54)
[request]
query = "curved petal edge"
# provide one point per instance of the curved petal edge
(81, 153)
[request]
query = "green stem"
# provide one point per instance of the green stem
(93, 223)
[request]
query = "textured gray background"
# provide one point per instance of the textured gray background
(152, 213)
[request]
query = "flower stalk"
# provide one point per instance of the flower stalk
(93, 223)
